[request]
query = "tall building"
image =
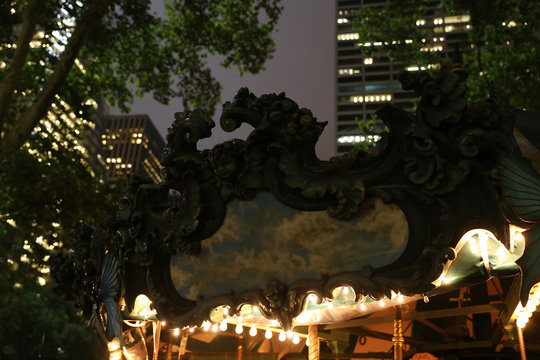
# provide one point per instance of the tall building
(132, 146)
(365, 83)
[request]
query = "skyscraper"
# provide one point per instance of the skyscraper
(132, 146)
(365, 83)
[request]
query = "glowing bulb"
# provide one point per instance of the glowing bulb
(253, 331)
(191, 329)
(176, 332)
(381, 303)
(223, 326)
(289, 334)
(400, 298)
(521, 322)
(295, 339)
(345, 290)
(206, 325)
(238, 329)
(363, 307)
(215, 328)
(330, 305)
(282, 336)
(307, 341)
(518, 236)
(163, 323)
(268, 334)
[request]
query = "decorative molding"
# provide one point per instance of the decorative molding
(439, 166)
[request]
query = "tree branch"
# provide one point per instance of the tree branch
(17, 62)
(31, 117)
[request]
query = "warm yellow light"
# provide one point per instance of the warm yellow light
(282, 336)
(223, 326)
(206, 325)
(381, 303)
(253, 331)
(239, 328)
(363, 307)
(400, 298)
(215, 327)
(521, 322)
(191, 329)
(295, 339)
(176, 332)
(268, 334)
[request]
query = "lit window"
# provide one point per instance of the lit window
(348, 36)
(342, 20)
(456, 19)
(368, 61)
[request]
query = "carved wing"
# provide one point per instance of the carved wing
(109, 290)
(520, 184)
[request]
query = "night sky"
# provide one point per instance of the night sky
(303, 67)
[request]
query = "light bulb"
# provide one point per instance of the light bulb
(191, 329)
(215, 328)
(289, 334)
(307, 341)
(253, 331)
(295, 339)
(268, 334)
(163, 323)
(223, 326)
(176, 332)
(521, 322)
(518, 236)
(239, 328)
(206, 325)
(400, 298)
(381, 303)
(282, 336)
(363, 307)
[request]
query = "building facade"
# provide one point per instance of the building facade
(365, 83)
(132, 146)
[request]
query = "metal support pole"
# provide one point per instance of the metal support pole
(240, 348)
(397, 339)
(183, 344)
(521, 343)
(313, 347)
(156, 326)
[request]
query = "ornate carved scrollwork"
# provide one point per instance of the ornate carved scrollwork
(437, 166)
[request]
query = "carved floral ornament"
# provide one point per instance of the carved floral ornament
(262, 232)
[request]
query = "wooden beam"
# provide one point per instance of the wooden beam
(477, 309)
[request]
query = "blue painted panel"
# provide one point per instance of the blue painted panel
(263, 239)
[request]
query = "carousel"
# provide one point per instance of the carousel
(424, 247)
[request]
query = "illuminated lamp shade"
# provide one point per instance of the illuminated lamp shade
(142, 309)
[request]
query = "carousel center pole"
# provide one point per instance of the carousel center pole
(397, 339)
(313, 347)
